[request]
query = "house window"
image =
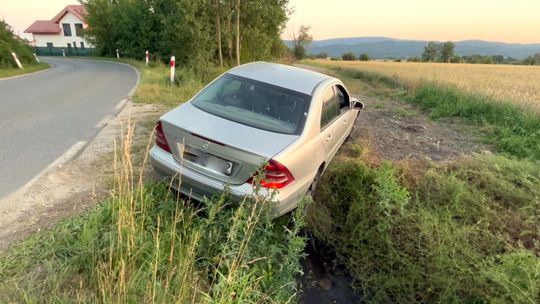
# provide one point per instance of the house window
(67, 29)
(50, 44)
(82, 45)
(78, 29)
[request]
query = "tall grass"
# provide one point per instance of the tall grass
(155, 86)
(146, 244)
(457, 232)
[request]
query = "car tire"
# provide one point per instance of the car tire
(349, 136)
(314, 183)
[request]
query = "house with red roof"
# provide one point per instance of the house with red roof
(64, 31)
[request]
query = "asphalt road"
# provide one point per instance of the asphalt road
(42, 115)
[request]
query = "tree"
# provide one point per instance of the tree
(532, 60)
(217, 10)
(363, 57)
(194, 31)
(446, 52)
(300, 41)
(431, 52)
(349, 56)
(9, 42)
(238, 32)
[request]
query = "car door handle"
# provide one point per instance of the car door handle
(344, 122)
(329, 136)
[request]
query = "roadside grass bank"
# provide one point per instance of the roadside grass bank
(464, 231)
(145, 244)
(513, 130)
(155, 86)
(28, 68)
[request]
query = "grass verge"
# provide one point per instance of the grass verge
(31, 68)
(511, 129)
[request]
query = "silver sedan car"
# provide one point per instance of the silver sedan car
(289, 120)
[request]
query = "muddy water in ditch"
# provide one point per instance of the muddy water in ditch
(324, 280)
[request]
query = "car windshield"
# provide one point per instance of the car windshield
(255, 104)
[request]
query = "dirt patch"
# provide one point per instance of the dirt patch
(72, 187)
(399, 131)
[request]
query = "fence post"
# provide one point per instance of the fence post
(173, 66)
(63, 53)
(35, 56)
(146, 58)
(17, 60)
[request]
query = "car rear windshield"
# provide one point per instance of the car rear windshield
(255, 104)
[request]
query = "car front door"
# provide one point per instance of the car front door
(347, 116)
(331, 128)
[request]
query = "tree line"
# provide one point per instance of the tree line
(221, 31)
(445, 52)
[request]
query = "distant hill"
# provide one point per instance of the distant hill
(384, 47)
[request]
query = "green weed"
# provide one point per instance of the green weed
(456, 233)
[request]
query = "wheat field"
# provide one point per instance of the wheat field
(513, 83)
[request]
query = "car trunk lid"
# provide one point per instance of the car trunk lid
(217, 147)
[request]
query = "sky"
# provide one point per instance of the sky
(493, 20)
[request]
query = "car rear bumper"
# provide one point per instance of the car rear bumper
(198, 186)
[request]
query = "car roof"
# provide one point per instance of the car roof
(285, 76)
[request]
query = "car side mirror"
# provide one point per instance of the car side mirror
(358, 105)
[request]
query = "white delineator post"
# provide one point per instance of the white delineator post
(147, 58)
(63, 53)
(17, 60)
(35, 56)
(117, 54)
(173, 66)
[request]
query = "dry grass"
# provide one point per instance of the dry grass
(517, 84)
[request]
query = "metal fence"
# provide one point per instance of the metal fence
(69, 51)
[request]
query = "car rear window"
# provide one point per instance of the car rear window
(255, 104)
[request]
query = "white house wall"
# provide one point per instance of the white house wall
(59, 40)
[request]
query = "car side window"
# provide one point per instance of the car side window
(344, 100)
(330, 108)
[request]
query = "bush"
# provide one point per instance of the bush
(9, 43)
(451, 236)
(363, 57)
(349, 56)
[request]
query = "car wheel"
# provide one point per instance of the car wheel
(314, 183)
(349, 136)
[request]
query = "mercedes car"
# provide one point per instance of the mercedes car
(275, 124)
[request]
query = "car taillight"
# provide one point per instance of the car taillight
(276, 176)
(161, 141)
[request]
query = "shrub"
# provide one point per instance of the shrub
(9, 43)
(349, 56)
(363, 57)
